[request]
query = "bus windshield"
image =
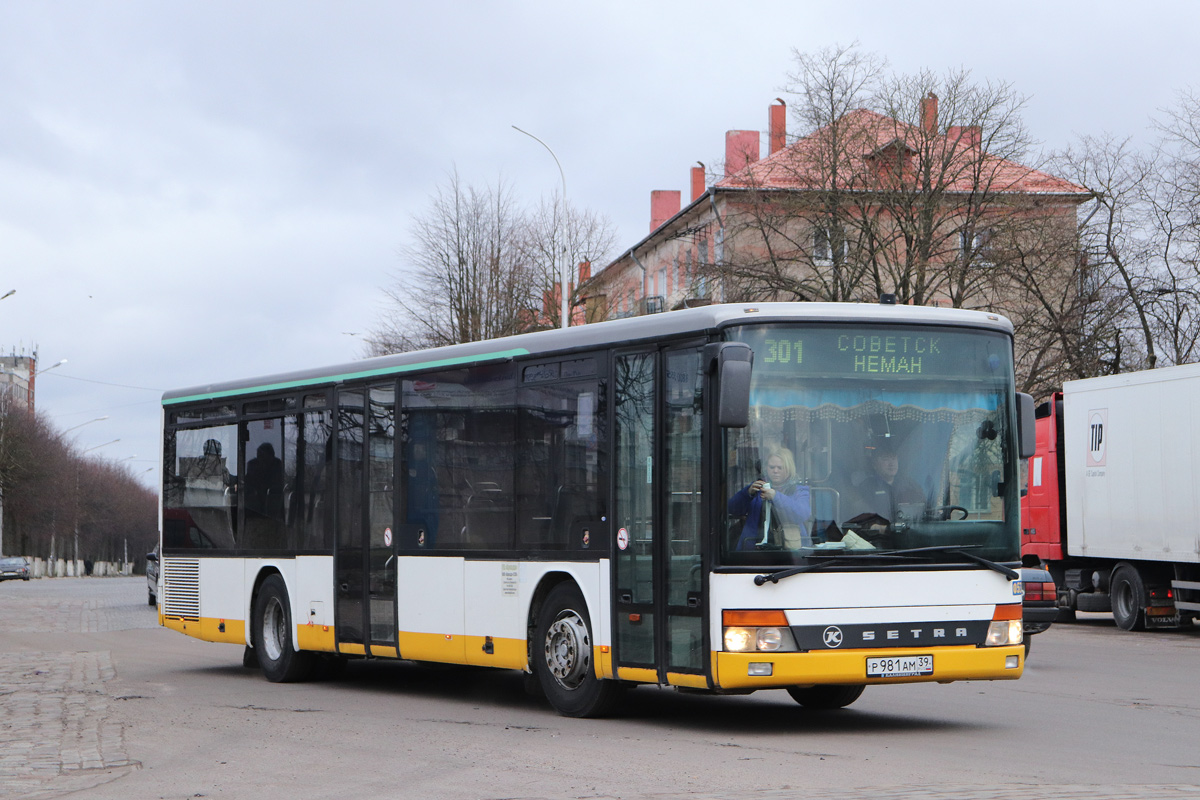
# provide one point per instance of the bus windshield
(872, 440)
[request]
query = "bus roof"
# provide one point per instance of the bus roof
(652, 327)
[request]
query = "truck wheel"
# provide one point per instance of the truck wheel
(1128, 594)
(562, 657)
(825, 698)
(271, 632)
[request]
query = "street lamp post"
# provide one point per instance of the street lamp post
(77, 468)
(563, 268)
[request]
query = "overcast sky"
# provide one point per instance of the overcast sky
(192, 192)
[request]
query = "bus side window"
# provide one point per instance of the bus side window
(459, 459)
(559, 487)
(200, 489)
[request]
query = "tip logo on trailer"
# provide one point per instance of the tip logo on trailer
(1097, 433)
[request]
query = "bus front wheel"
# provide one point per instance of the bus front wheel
(562, 657)
(825, 697)
(272, 635)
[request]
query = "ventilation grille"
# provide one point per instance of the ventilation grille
(181, 588)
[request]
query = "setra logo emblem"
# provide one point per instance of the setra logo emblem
(833, 636)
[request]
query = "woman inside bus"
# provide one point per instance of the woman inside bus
(788, 501)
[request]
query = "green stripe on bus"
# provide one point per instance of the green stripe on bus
(274, 387)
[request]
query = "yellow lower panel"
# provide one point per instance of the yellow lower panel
(506, 653)
(316, 637)
(232, 631)
(381, 651)
(602, 659)
(850, 666)
(445, 648)
(351, 649)
(688, 680)
(637, 674)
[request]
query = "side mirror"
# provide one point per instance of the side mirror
(152, 556)
(732, 364)
(1026, 432)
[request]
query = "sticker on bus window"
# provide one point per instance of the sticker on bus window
(387, 537)
(622, 538)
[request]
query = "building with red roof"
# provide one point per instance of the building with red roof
(865, 205)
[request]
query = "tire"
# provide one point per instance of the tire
(1129, 600)
(1028, 647)
(562, 657)
(150, 601)
(825, 698)
(271, 632)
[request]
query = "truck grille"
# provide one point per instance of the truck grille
(181, 588)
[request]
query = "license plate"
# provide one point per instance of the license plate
(899, 666)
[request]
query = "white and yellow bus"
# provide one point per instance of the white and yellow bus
(815, 497)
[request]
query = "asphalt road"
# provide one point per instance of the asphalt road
(99, 702)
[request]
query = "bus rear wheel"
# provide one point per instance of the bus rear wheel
(271, 633)
(825, 698)
(562, 657)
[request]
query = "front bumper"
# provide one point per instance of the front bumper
(966, 663)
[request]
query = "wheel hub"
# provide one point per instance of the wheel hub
(274, 629)
(568, 650)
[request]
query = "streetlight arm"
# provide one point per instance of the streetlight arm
(563, 269)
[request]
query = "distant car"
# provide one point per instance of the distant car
(12, 567)
(152, 576)
(1040, 606)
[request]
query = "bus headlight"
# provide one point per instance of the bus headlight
(759, 640)
(740, 640)
(758, 631)
(769, 638)
(1004, 632)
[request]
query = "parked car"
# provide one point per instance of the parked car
(1040, 606)
(12, 567)
(152, 576)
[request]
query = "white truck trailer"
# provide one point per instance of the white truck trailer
(1113, 506)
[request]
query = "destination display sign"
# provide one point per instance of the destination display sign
(891, 352)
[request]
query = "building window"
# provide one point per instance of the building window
(976, 247)
(825, 242)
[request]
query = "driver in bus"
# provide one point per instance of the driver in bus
(780, 492)
(885, 491)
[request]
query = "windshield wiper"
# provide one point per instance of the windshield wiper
(775, 577)
(841, 558)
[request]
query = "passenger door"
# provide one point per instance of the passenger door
(365, 563)
(658, 572)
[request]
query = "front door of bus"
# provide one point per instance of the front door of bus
(365, 563)
(658, 572)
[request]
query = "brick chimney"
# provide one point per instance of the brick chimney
(968, 135)
(741, 150)
(929, 117)
(664, 204)
(778, 136)
(585, 272)
(697, 181)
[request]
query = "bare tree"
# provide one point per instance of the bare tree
(43, 500)
(480, 266)
(895, 186)
(467, 277)
(555, 233)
